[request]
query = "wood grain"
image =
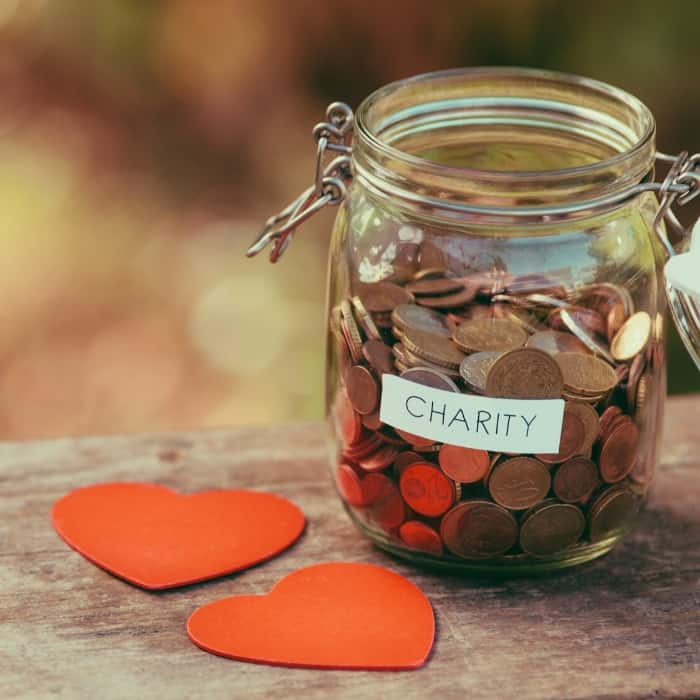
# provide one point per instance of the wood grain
(627, 626)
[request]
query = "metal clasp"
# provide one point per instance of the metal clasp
(329, 187)
(681, 185)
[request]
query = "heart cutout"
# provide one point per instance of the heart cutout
(337, 615)
(157, 538)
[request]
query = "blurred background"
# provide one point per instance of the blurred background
(143, 143)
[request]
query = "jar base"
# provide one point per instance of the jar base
(510, 566)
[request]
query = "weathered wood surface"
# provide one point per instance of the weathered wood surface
(627, 626)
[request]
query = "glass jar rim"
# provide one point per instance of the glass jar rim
(384, 166)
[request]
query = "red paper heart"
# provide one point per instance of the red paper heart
(338, 615)
(156, 538)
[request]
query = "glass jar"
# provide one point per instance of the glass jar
(495, 357)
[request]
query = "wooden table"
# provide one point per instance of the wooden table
(627, 626)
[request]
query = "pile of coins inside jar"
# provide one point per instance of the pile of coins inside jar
(497, 335)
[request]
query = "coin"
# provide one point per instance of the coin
(434, 348)
(463, 464)
(524, 373)
(434, 286)
(614, 319)
(474, 370)
(585, 374)
(431, 378)
(365, 320)
(349, 486)
(412, 360)
(403, 459)
(416, 441)
(379, 459)
(482, 334)
(367, 443)
(587, 319)
(449, 301)
(632, 337)
(386, 508)
(417, 535)
(426, 489)
(371, 421)
(431, 259)
(556, 341)
(382, 297)
(551, 527)
(619, 452)
(379, 356)
(591, 422)
(585, 336)
(572, 441)
(477, 529)
(636, 370)
(611, 512)
(350, 331)
(519, 482)
(418, 318)
(362, 389)
(347, 421)
(575, 480)
(607, 416)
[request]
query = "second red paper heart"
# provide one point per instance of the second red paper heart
(156, 538)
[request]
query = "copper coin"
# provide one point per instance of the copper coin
(615, 423)
(386, 508)
(365, 320)
(348, 423)
(611, 512)
(632, 337)
(607, 416)
(371, 421)
(482, 334)
(380, 459)
(350, 331)
(525, 373)
(587, 319)
(636, 370)
(572, 441)
(434, 287)
(551, 527)
(431, 378)
(603, 296)
(585, 336)
(349, 486)
(416, 441)
(419, 318)
(379, 356)
(619, 452)
(404, 459)
(476, 529)
(591, 422)
(519, 483)
(575, 480)
(614, 319)
(556, 341)
(426, 489)
(434, 348)
(585, 374)
(417, 535)
(383, 297)
(363, 391)
(475, 368)
(449, 301)
(431, 257)
(368, 443)
(463, 464)
(413, 360)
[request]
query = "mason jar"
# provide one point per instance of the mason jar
(495, 372)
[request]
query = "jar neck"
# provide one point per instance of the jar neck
(505, 144)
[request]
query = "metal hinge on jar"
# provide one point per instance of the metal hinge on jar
(328, 189)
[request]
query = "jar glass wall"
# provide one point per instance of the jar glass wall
(480, 251)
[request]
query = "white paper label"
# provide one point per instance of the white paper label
(500, 425)
(683, 273)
